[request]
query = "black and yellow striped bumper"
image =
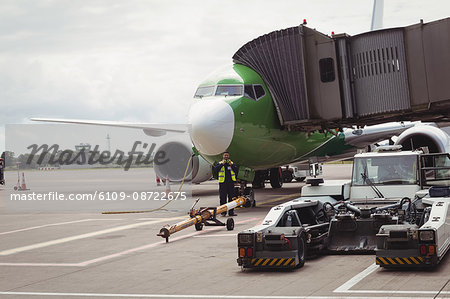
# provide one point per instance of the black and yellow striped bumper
(273, 262)
(399, 261)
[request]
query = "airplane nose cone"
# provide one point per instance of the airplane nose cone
(212, 126)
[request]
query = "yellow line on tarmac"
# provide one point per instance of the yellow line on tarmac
(261, 203)
(277, 199)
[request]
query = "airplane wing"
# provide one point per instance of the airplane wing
(361, 138)
(149, 129)
(372, 134)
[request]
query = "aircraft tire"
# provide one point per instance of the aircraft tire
(258, 181)
(276, 181)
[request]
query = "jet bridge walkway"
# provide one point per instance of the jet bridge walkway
(319, 81)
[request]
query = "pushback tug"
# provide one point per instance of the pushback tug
(388, 207)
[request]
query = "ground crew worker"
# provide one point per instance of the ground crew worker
(226, 170)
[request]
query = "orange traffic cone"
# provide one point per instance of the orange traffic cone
(23, 186)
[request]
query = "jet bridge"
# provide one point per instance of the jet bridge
(318, 81)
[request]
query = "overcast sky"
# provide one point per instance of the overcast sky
(142, 60)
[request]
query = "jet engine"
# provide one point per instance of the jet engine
(173, 160)
(429, 136)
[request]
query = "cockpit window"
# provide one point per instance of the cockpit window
(259, 91)
(251, 91)
(205, 91)
(248, 92)
(230, 90)
(254, 92)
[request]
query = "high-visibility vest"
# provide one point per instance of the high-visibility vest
(222, 175)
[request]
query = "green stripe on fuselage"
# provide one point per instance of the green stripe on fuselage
(258, 140)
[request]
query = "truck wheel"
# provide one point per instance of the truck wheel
(230, 224)
(276, 181)
(198, 226)
(301, 252)
(287, 176)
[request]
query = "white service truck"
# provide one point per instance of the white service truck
(387, 195)
(290, 173)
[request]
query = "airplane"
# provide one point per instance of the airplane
(235, 110)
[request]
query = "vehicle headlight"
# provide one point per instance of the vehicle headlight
(426, 235)
(245, 239)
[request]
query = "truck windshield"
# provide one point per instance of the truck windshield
(385, 170)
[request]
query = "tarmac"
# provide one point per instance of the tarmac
(73, 250)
